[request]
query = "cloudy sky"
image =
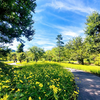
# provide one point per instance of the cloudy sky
(54, 17)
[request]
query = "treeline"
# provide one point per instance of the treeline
(77, 49)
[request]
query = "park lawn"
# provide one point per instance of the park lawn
(36, 81)
(87, 68)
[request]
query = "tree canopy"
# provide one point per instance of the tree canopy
(16, 19)
(93, 26)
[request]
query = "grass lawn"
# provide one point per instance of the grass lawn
(87, 68)
(36, 81)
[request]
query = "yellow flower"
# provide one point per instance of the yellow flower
(21, 81)
(46, 76)
(55, 89)
(5, 97)
(7, 81)
(48, 83)
(59, 89)
(29, 98)
(13, 89)
(18, 90)
(5, 86)
(57, 84)
(37, 82)
(44, 92)
(39, 98)
(41, 85)
(0, 83)
(76, 92)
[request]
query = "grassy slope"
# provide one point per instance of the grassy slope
(46, 81)
(88, 68)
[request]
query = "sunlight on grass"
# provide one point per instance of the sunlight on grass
(88, 68)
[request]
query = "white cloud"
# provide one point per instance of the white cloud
(69, 33)
(47, 47)
(70, 5)
(39, 10)
(13, 45)
(62, 18)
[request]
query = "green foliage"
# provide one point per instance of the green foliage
(76, 49)
(38, 52)
(93, 25)
(48, 55)
(16, 19)
(59, 40)
(47, 81)
(21, 56)
(4, 51)
(97, 60)
(60, 45)
(20, 48)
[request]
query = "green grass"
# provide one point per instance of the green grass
(87, 68)
(36, 81)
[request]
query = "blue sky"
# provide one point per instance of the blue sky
(54, 17)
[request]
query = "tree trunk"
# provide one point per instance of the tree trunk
(81, 61)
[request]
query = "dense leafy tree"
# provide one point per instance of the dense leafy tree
(4, 51)
(77, 49)
(16, 19)
(38, 52)
(21, 56)
(93, 29)
(93, 26)
(14, 57)
(20, 48)
(48, 55)
(68, 50)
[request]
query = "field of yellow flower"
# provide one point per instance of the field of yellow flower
(38, 81)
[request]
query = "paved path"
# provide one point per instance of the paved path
(89, 85)
(12, 64)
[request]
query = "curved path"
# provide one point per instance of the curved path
(89, 85)
(12, 64)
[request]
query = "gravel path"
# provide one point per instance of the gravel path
(89, 85)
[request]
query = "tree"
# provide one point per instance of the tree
(48, 55)
(93, 29)
(38, 52)
(16, 19)
(20, 48)
(68, 50)
(4, 51)
(14, 57)
(21, 56)
(59, 44)
(77, 49)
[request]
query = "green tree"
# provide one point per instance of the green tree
(93, 26)
(78, 49)
(59, 44)
(16, 19)
(38, 52)
(93, 30)
(21, 56)
(14, 57)
(68, 48)
(4, 51)
(48, 55)
(20, 48)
